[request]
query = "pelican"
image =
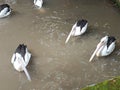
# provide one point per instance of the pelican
(21, 58)
(38, 3)
(104, 47)
(5, 10)
(78, 28)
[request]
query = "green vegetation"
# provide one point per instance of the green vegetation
(117, 2)
(113, 84)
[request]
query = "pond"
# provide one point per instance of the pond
(55, 65)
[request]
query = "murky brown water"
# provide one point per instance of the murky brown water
(54, 65)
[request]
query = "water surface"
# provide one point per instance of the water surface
(54, 65)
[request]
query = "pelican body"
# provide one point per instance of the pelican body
(21, 58)
(5, 10)
(105, 47)
(38, 3)
(78, 28)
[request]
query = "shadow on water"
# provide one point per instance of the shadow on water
(91, 31)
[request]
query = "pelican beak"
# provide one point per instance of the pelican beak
(96, 50)
(25, 69)
(73, 28)
(68, 37)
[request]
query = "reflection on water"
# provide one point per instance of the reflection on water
(54, 65)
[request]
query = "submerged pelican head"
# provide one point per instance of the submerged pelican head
(104, 47)
(21, 58)
(78, 28)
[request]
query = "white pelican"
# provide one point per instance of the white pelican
(38, 3)
(78, 28)
(104, 47)
(21, 58)
(5, 10)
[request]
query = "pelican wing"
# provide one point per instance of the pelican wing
(4, 11)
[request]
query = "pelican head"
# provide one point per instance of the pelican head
(104, 47)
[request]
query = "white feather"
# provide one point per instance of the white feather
(38, 3)
(23, 64)
(20, 64)
(104, 51)
(13, 58)
(102, 48)
(4, 12)
(76, 31)
(84, 29)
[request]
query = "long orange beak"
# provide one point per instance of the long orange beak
(96, 50)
